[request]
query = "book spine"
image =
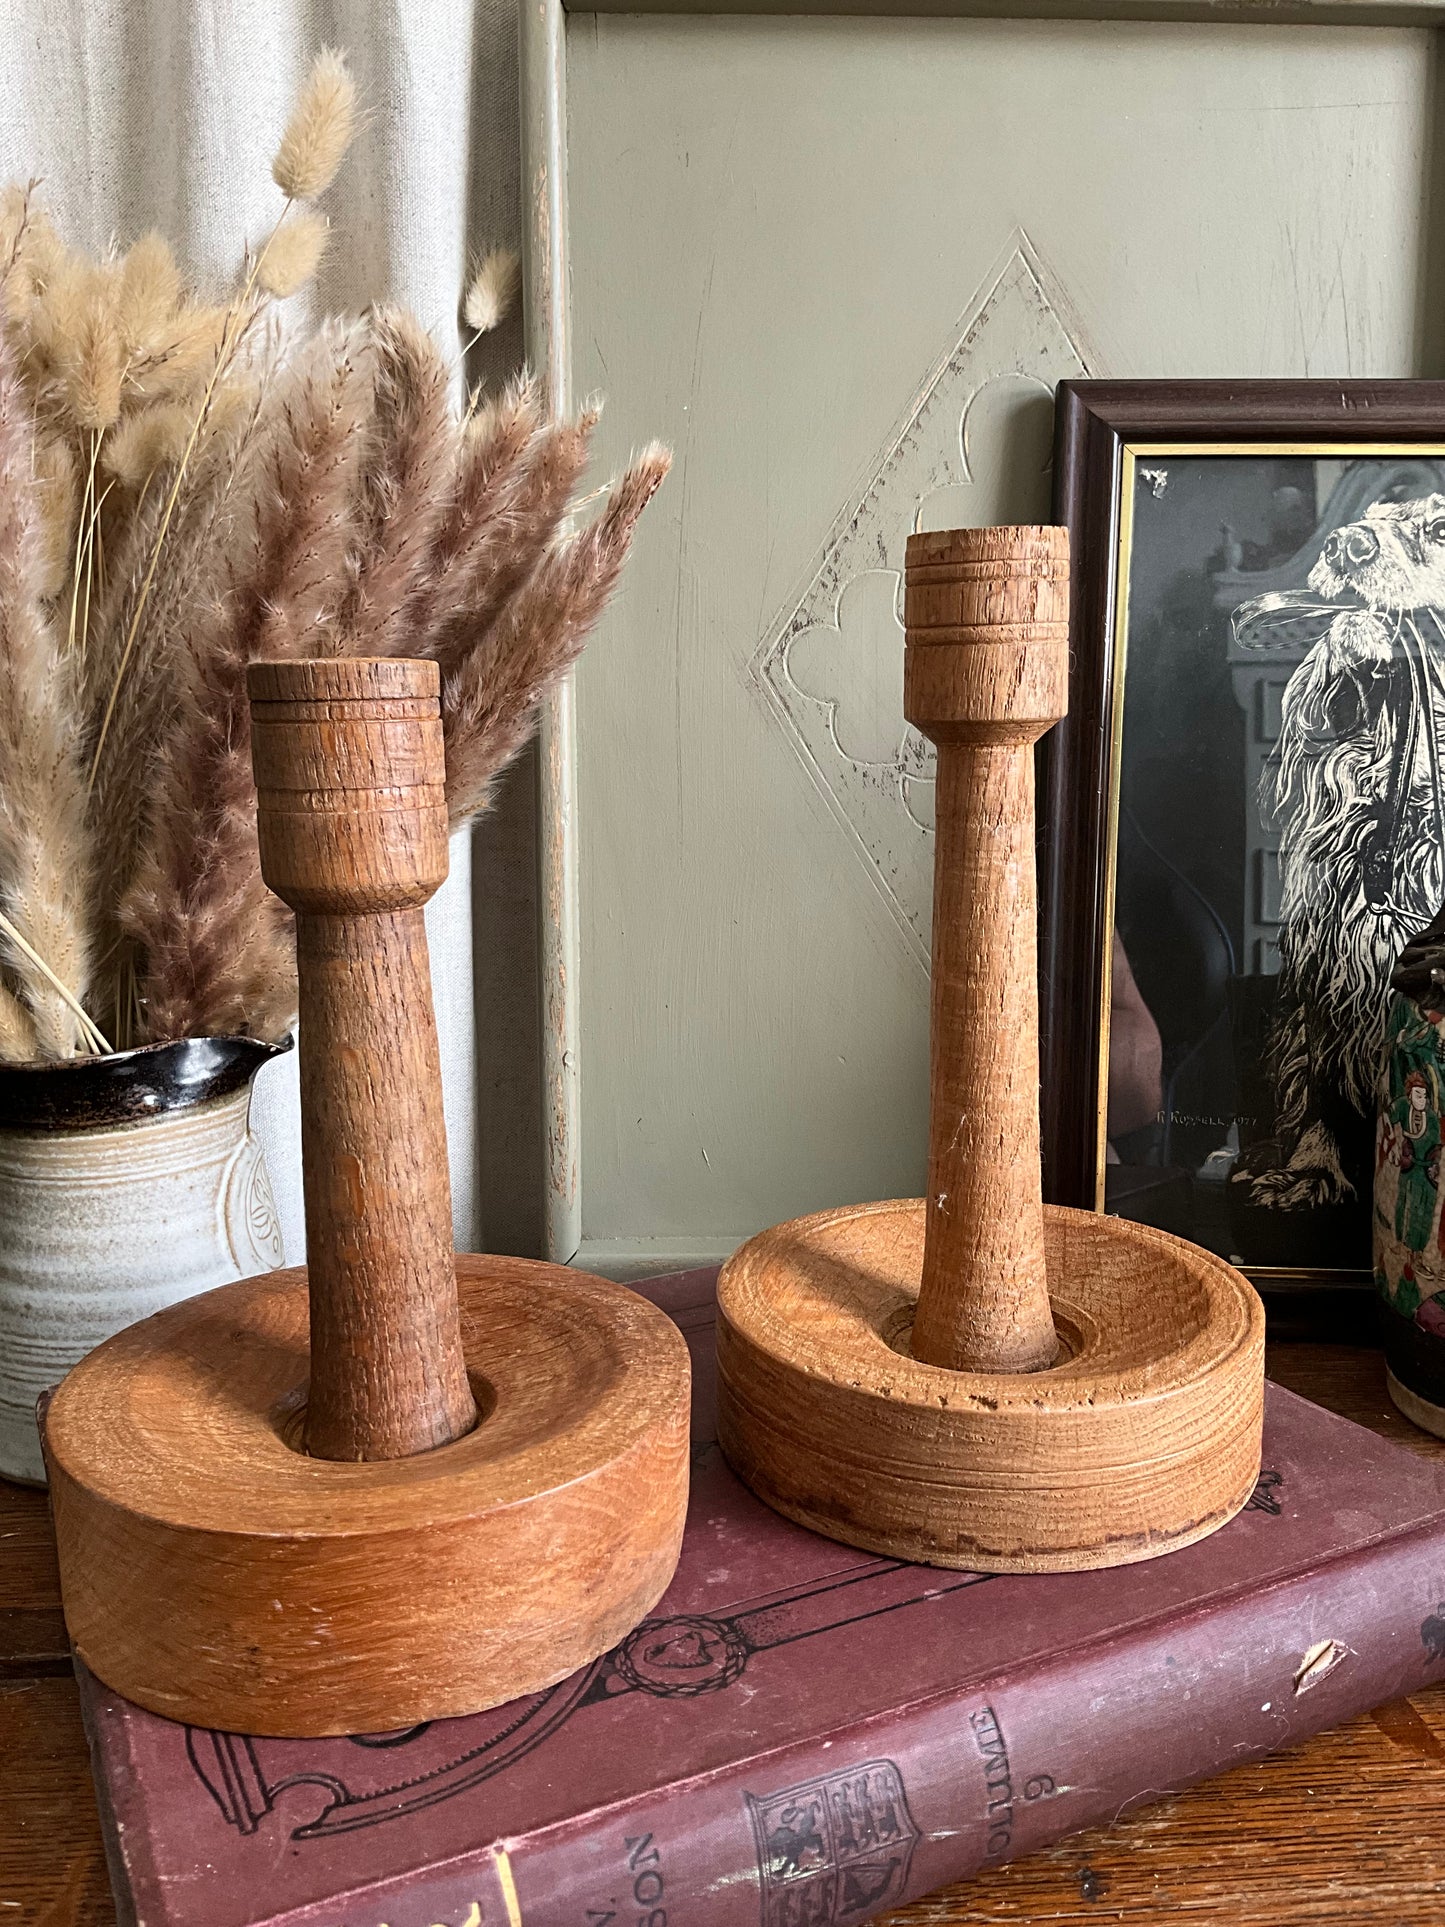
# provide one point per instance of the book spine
(840, 1827)
(113, 1774)
(832, 1831)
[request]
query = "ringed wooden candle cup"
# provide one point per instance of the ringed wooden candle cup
(402, 1483)
(972, 1379)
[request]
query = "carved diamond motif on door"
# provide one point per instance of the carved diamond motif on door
(972, 449)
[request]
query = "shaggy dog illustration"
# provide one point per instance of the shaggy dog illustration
(1356, 796)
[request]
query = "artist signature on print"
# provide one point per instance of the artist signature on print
(378, 1777)
(835, 1849)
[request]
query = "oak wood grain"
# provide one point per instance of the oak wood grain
(399, 1484)
(985, 674)
(1349, 1826)
(1149, 1424)
(215, 1573)
(1026, 1392)
(352, 821)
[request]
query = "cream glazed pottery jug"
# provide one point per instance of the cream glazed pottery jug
(126, 1183)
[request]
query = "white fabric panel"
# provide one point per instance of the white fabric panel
(165, 113)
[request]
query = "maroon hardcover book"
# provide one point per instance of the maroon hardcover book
(801, 1735)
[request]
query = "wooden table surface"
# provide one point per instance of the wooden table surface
(1348, 1827)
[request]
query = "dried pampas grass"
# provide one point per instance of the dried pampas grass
(198, 911)
(183, 493)
(46, 886)
(17, 1033)
(490, 695)
(188, 605)
(406, 477)
(57, 504)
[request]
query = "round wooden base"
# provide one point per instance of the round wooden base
(214, 1573)
(1143, 1438)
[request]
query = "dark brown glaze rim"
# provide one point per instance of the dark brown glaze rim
(88, 1093)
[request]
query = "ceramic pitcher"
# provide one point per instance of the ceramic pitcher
(126, 1183)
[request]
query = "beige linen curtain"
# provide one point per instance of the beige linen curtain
(158, 113)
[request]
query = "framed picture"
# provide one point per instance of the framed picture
(1242, 818)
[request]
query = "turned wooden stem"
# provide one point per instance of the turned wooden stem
(352, 822)
(986, 673)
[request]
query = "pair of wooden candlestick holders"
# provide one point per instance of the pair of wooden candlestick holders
(400, 1483)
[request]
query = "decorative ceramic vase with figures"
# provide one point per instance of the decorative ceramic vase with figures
(1409, 1233)
(127, 1183)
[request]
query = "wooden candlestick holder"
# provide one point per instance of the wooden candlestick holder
(975, 1379)
(473, 1479)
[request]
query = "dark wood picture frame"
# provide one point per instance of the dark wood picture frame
(1095, 423)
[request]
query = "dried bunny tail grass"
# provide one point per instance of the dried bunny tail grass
(89, 361)
(188, 603)
(292, 255)
(32, 253)
(242, 317)
(232, 406)
(69, 338)
(49, 306)
(148, 297)
(319, 131)
(407, 465)
(492, 290)
(489, 703)
(182, 360)
(303, 490)
(514, 531)
(147, 440)
(46, 880)
(214, 948)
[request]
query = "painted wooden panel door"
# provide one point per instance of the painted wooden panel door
(839, 264)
